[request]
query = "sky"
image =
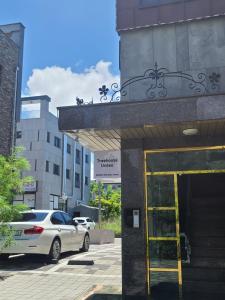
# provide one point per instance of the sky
(71, 47)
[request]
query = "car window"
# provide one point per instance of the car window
(57, 218)
(31, 217)
(80, 221)
(67, 218)
(88, 220)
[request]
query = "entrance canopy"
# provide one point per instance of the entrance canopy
(102, 126)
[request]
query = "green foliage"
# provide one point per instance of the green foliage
(114, 225)
(11, 167)
(11, 184)
(110, 200)
(8, 213)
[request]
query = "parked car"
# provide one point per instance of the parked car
(85, 222)
(46, 232)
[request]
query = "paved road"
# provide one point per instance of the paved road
(29, 277)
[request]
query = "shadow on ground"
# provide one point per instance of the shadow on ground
(29, 262)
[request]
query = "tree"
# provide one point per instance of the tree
(11, 184)
(110, 200)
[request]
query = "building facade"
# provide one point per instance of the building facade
(170, 127)
(11, 56)
(59, 164)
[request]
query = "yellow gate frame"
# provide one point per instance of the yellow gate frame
(175, 173)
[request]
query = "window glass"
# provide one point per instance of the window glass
(149, 3)
(164, 285)
(187, 160)
(162, 223)
(67, 174)
(67, 218)
(68, 148)
(19, 134)
(29, 200)
(161, 191)
(77, 180)
(86, 158)
(163, 254)
(56, 169)
(57, 142)
(48, 137)
(47, 166)
(57, 218)
(77, 156)
(31, 217)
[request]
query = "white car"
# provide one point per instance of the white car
(85, 222)
(47, 232)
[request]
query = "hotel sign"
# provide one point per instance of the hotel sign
(107, 165)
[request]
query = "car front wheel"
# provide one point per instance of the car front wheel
(55, 251)
(86, 243)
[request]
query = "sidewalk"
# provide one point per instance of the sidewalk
(62, 281)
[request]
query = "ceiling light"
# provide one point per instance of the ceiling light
(190, 131)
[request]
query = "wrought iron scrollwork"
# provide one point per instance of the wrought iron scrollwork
(156, 86)
(80, 102)
(214, 79)
(154, 79)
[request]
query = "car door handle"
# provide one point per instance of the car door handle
(59, 229)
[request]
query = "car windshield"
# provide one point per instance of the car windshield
(31, 217)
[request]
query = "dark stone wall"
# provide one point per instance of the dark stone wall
(133, 239)
(137, 13)
(8, 63)
(15, 32)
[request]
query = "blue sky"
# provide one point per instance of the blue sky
(74, 34)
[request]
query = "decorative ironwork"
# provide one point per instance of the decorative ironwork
(214, 78)
(80, 101)
(154, 79)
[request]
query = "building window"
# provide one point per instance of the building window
(67, 173)
(57, 142)
(86, 158)
(29, 200)
(35, 165)
(86, 180)
(56, 169)
(47, 166)
(77, 156)
(69, 148)
(30, 146)
(77, 180)
(0, 74)
(19, 134)
(38, 137)
(48, 137)
(54, 202)
(148, 3)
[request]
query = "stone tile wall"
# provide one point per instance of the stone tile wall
(8, 62)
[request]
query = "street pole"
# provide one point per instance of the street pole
(99, 205)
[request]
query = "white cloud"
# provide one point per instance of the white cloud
(64, 85)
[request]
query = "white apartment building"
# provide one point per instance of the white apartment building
(59, 164)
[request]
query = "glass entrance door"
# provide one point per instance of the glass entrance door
(164, 254)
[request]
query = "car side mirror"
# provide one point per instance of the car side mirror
(75, 223)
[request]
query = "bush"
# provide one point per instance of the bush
(12, 183)
(114, 225)
(110, 201)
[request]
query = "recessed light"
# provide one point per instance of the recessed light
(190, 131)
